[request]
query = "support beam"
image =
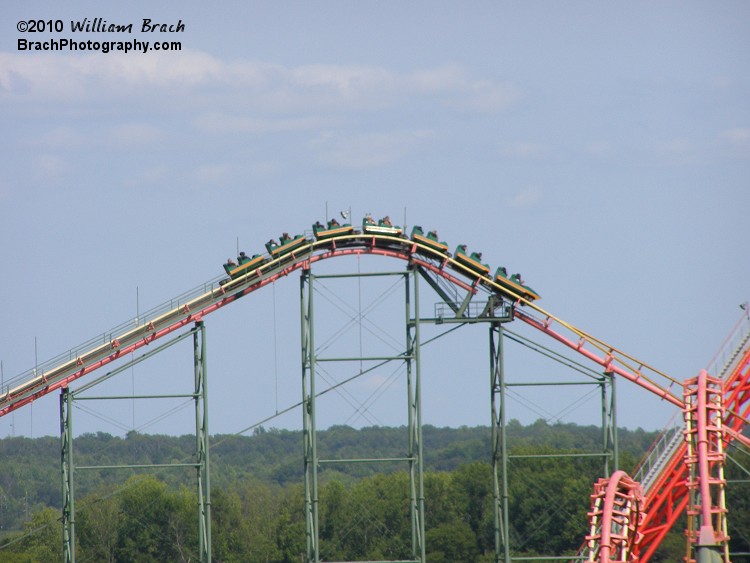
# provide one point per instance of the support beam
(499, 446)
(203, 481)
(315, 552)
(414, 391)
(609, 424)
(201, 462)
(707, 514)
(67, 469)
(312, 532)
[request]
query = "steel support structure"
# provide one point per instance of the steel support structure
(707, 513)
(201, 463)
(501, 455)
(66, 467)
(414, 392)
(499, 445)
(614, 518)
(309, 429)
(410, 357)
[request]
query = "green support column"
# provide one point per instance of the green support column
(66, 466)
(609, 425)
(499, 449)
(413, 382)
(201, 463)
(201, 438)
(414, 392)
(308, 419)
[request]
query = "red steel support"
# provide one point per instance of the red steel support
(606, 362)
(614, 519)
(704, 415)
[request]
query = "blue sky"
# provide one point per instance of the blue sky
(602, 150)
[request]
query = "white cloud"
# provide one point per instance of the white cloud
(217, 122)
(345, 82)
(60, 138)
(138, 134)
(4, 190)
(437, 79)
(88, 77)
(527, 197)
(196, 78)
(676, 147)
(484, 96)
(739, 139)
(341, 150)
(461, 90)
(213, 173)
(524, 149)
(738, 135)
(148, 176)
(598, 148)
(49, 167)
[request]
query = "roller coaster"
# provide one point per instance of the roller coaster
(629, 516)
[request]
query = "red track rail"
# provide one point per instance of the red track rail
(605, 361)
(664, 502)
(668, 498)
(89, 360)
(615, 518)
(194, 311)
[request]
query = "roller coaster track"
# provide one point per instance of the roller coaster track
(666, 496)
(664, 474)
(615, 518)
(194, 305)
(666, 484)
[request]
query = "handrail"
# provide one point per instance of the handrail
(193, 305)
(727, 355)
(210, 295)
(108, 335)
(661, 451)
(670, 439)
(607, 360)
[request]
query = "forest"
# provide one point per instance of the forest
(257, 495)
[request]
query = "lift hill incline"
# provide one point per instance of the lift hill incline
(463, 270)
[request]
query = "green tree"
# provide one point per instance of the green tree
(44, 536)
(473, 493)
(451, 542)
(290, 525)
(97, 526)
(156, 525)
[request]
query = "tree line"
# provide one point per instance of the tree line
(257, 496)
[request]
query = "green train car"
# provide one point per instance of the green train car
(392, 237)
(472, 261)
(285, 245)
(515, 284)
(333, 229)
(243, 265)
(383, 226)
(430, 240)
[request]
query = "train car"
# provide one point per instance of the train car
(472, 261)
(430, 239)
(245, 264)
(515, 284)
(382, 227)
(333, 229)
(285, 245)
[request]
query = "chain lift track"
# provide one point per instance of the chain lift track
(211, 296)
